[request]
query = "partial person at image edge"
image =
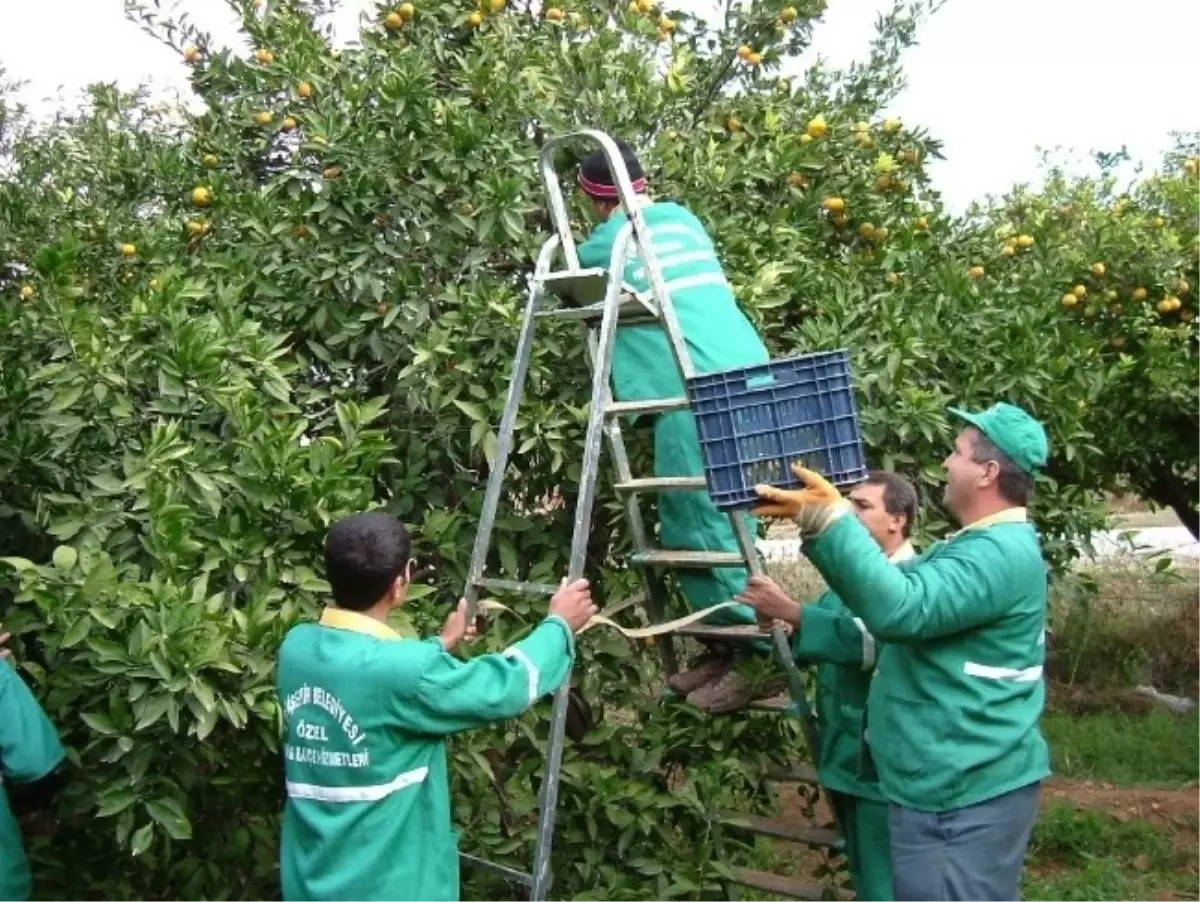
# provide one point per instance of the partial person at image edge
(31, 762)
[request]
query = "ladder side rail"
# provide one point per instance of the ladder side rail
(504, 440)
(783, 650)
(651, 578)
(553, 186)
(583, 515)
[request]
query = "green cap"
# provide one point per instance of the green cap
(1013, 431)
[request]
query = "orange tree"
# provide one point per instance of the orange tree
(223, 330)
(1118, 263)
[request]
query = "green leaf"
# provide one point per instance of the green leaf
(19, 564)
(166, 811)
(115, 802)
(107, 483)
(152, 710)
(101, 723)
(471, 410)
(65, 557)
(142, 840)
(66, 398)
(78, 631)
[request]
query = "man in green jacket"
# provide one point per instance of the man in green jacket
(828, 634)
(31, 755)
(719, 336)
(367, 714)
(954, 709)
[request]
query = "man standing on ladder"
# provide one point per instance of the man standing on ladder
(829, 635)
(719, 337)
(954, 711)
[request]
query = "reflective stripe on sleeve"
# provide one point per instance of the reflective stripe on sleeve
(517, 655)
(987, 672)
(868, 645)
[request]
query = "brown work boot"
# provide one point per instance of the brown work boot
(734, 691)
(708, 668)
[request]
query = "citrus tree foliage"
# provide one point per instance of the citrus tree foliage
(222, 331)
(1121, 260)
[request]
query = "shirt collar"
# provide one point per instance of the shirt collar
(1009, 515)
(341, 619)
(903, 553)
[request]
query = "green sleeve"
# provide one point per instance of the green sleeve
(833, 636)
(29, 744)
(451, 695)
(961, 587)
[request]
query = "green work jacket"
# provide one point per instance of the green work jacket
(845, 652)
(367, 714)
(718, 336)
(29, 750)
(955, 704)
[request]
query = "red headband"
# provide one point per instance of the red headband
(597, 190)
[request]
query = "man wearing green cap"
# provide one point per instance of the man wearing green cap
(953, 711)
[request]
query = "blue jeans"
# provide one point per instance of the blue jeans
(973, 853)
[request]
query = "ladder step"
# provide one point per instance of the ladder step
(741, 631)
(635, 408)
(691, 560)
(629, 311)
(516, 586)
(663, 484)
(778, 704)
(791, 887)
(580, 287)
(821, 837)
(510, 874)
(802, 772)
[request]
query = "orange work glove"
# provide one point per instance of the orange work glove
(813, 507)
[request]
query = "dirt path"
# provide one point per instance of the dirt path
(1178, 807)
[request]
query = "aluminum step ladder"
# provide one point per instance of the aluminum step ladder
(600, 300)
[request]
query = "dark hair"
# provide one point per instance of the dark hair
(364, 554)
(1015, 485)
(899, 497)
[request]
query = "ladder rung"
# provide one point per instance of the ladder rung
(779, 704)
(634, 408)
(580, 287)
(631, 311)
(792, 887)
(515, 586)
(511, 874)
(802, 772)
(663, 484)
(741, 631)
(689, 560)
(821, 837)
(775, 703)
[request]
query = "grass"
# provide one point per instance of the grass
(1104, 833)
(1158, 748)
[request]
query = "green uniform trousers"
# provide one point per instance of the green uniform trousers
(864, 826)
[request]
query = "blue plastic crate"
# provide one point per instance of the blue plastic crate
(755, 422)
